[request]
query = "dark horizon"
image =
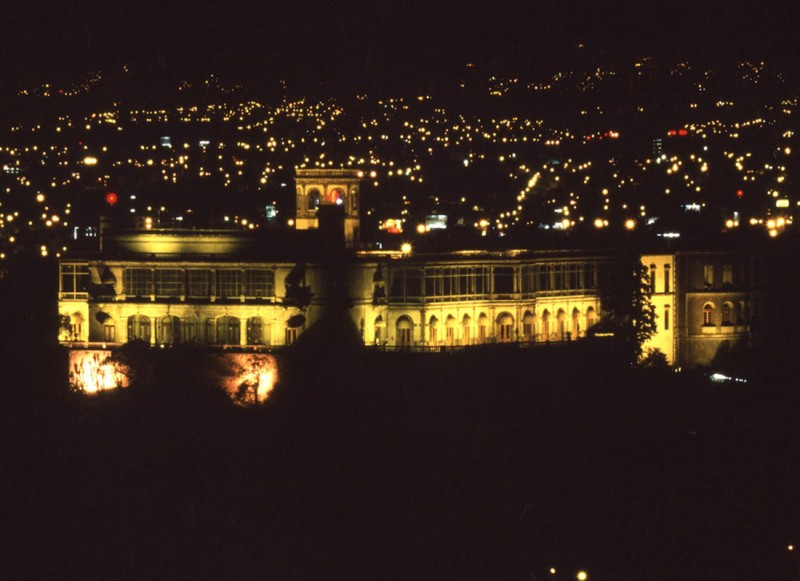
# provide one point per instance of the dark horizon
(371, 42)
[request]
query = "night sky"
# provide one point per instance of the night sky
(360, 39)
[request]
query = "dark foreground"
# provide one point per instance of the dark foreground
(486, 465)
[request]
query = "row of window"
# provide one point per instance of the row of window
(545, 328)
(729, 314)
(667, 278)
(451, 283)
(199, 283)
(216, 331)
(708, 275)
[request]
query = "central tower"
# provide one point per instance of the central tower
(328, 187)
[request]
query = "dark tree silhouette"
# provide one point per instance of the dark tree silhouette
(627, 309)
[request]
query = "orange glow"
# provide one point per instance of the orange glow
(251, 378)
(90, 371)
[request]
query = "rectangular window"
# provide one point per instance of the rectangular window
(481, 281)
(591, 275)
(198, 284)
(667, 278)
(138, 282)
(548, 278)
(465, 281)
(666, 317)
(291, 335)
(503, 280)
(259, 283)
(109, 333)
(708, 275)
(169, 282)
(727, 274)
(574, 281)
(528, 279)
(229, 283)
(74, 280)
(558, 277)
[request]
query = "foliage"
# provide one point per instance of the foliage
(627, 309)
(654, 358)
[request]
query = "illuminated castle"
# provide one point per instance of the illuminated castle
(239, 290)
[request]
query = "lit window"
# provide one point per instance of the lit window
(708, 314)
(576, 327)
(546, 325)
(505, 328)
(229, 283)
(727, 311)
(727, 274)
(434, 331)
(169, 282)
(708, 275)
(404, 329)
(652, 278)
(198, 283)
(138, 282)
(255, 331)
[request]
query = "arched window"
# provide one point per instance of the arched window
(591, 317)
(380, 330)
(255, 331)
(145, 331)
(483, 325)
(466, 327)
(576, 325)
(708, 315)
(189, 330)
(313, 199)
(404, 332)
(211, 336)
(527, 326)
(139, 328)
(727, 314)
(76, 326)
(505, 328)
(433, 331)
(545, 326)
(228, 331)
(169, 330)
(335, 196)
(450, 331)
(561, 317)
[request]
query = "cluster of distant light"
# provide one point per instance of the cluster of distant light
(247, 143)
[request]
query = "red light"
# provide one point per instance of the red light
(739, 193)
(672, 133)
(111, 198)
(683, 132)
